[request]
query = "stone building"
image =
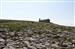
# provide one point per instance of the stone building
(45, 20)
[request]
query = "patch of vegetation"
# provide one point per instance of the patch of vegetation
(17, 25)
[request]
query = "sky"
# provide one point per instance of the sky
(0, 9)
(59, 12)
(74, 12)
(38, 0)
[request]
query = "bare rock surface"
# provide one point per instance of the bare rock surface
(28, 39)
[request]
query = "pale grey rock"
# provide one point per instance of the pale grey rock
(1, 40)
(24, 47)
(12, 33)
(8, 47)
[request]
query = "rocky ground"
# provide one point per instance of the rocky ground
(28, 39)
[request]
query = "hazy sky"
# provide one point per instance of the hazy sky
(0, 9)
(59, 12)
(38, 0)
(74, 13)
